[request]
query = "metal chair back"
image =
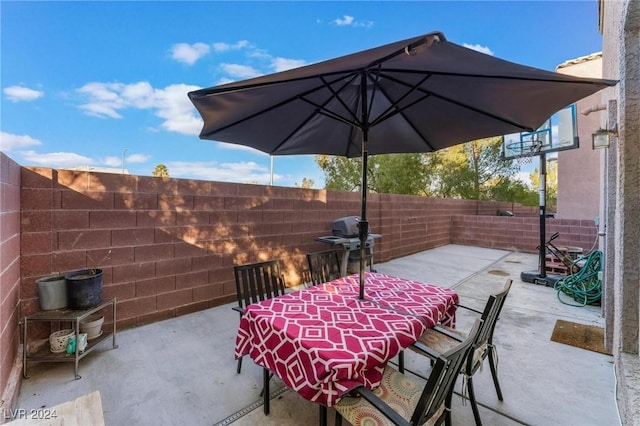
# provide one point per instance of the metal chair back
(491, 314)
(259, 281)
(324, 266)
(439, 387)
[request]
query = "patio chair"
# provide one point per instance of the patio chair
(402, 400)
(256, 282)
(324, 266)
(440, 339)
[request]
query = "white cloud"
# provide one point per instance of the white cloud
(189, 53)
(479, 48)
(171, 103)
(21, 93)
(99, 110)
(350, 21)
(224, 47)
(174, 106)
(9, 142)
(238, 147)
(140, 95)
(345, 20)
(138, 158)
(243, 172)
(112, 161)
(240, 71)
(116, 161)
(225, 80)
(259, 62)
(258, 54)
(57, 159)
(104, 100)
(283, 64)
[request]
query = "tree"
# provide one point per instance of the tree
(387, 173)
(514, 191)
(399, 174)
(160, 171)
(470, 170)
(474, 170)
(306, 183)
(341, 173)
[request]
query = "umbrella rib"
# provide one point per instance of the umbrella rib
(275, 106)
(320, 109)
(250, 116)
(461, 104)
(394, 110)
(375, 87)
(479, 111)
(336, 95)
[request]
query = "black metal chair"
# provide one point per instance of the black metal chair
(256, 282)
(440, 339)
(324, 266)
(402, 400)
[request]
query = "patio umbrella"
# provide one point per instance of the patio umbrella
(417, 95)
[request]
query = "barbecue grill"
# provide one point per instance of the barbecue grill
(345, 235)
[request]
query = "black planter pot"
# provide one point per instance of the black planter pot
(84, 288)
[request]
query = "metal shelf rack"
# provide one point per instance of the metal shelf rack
(73, 317)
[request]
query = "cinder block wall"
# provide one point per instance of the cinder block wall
(167, 246)
(521, 233)
(9, 277)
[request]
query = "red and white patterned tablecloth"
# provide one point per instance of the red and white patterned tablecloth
(323, 341)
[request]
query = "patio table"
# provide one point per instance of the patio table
(323, 341)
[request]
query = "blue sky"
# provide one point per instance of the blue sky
(90, 83)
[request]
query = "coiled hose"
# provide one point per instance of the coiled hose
(585, 286)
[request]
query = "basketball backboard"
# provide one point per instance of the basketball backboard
(559, 133)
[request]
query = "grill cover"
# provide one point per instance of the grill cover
(346, 227)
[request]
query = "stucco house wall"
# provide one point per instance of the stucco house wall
(620, 26)
(579, 169)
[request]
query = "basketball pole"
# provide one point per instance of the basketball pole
(540, 276)
(529, 146)
(543, 215)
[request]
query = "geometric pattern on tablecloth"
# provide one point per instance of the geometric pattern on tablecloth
(324, 341)
(408, 296)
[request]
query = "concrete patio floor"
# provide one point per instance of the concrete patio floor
(182, 371)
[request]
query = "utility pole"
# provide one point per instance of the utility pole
(123, 153)
(271, 178)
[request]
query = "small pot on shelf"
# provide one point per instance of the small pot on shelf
(92, 325)
(59, 339)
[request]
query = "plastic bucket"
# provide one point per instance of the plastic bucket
(84, 288)
(52, 292)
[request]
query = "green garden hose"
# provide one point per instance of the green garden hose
(585, 286)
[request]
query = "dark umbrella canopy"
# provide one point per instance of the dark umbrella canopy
(416, 95)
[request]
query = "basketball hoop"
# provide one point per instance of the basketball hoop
(528, 149)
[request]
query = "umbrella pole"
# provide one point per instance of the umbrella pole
(364, 225)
